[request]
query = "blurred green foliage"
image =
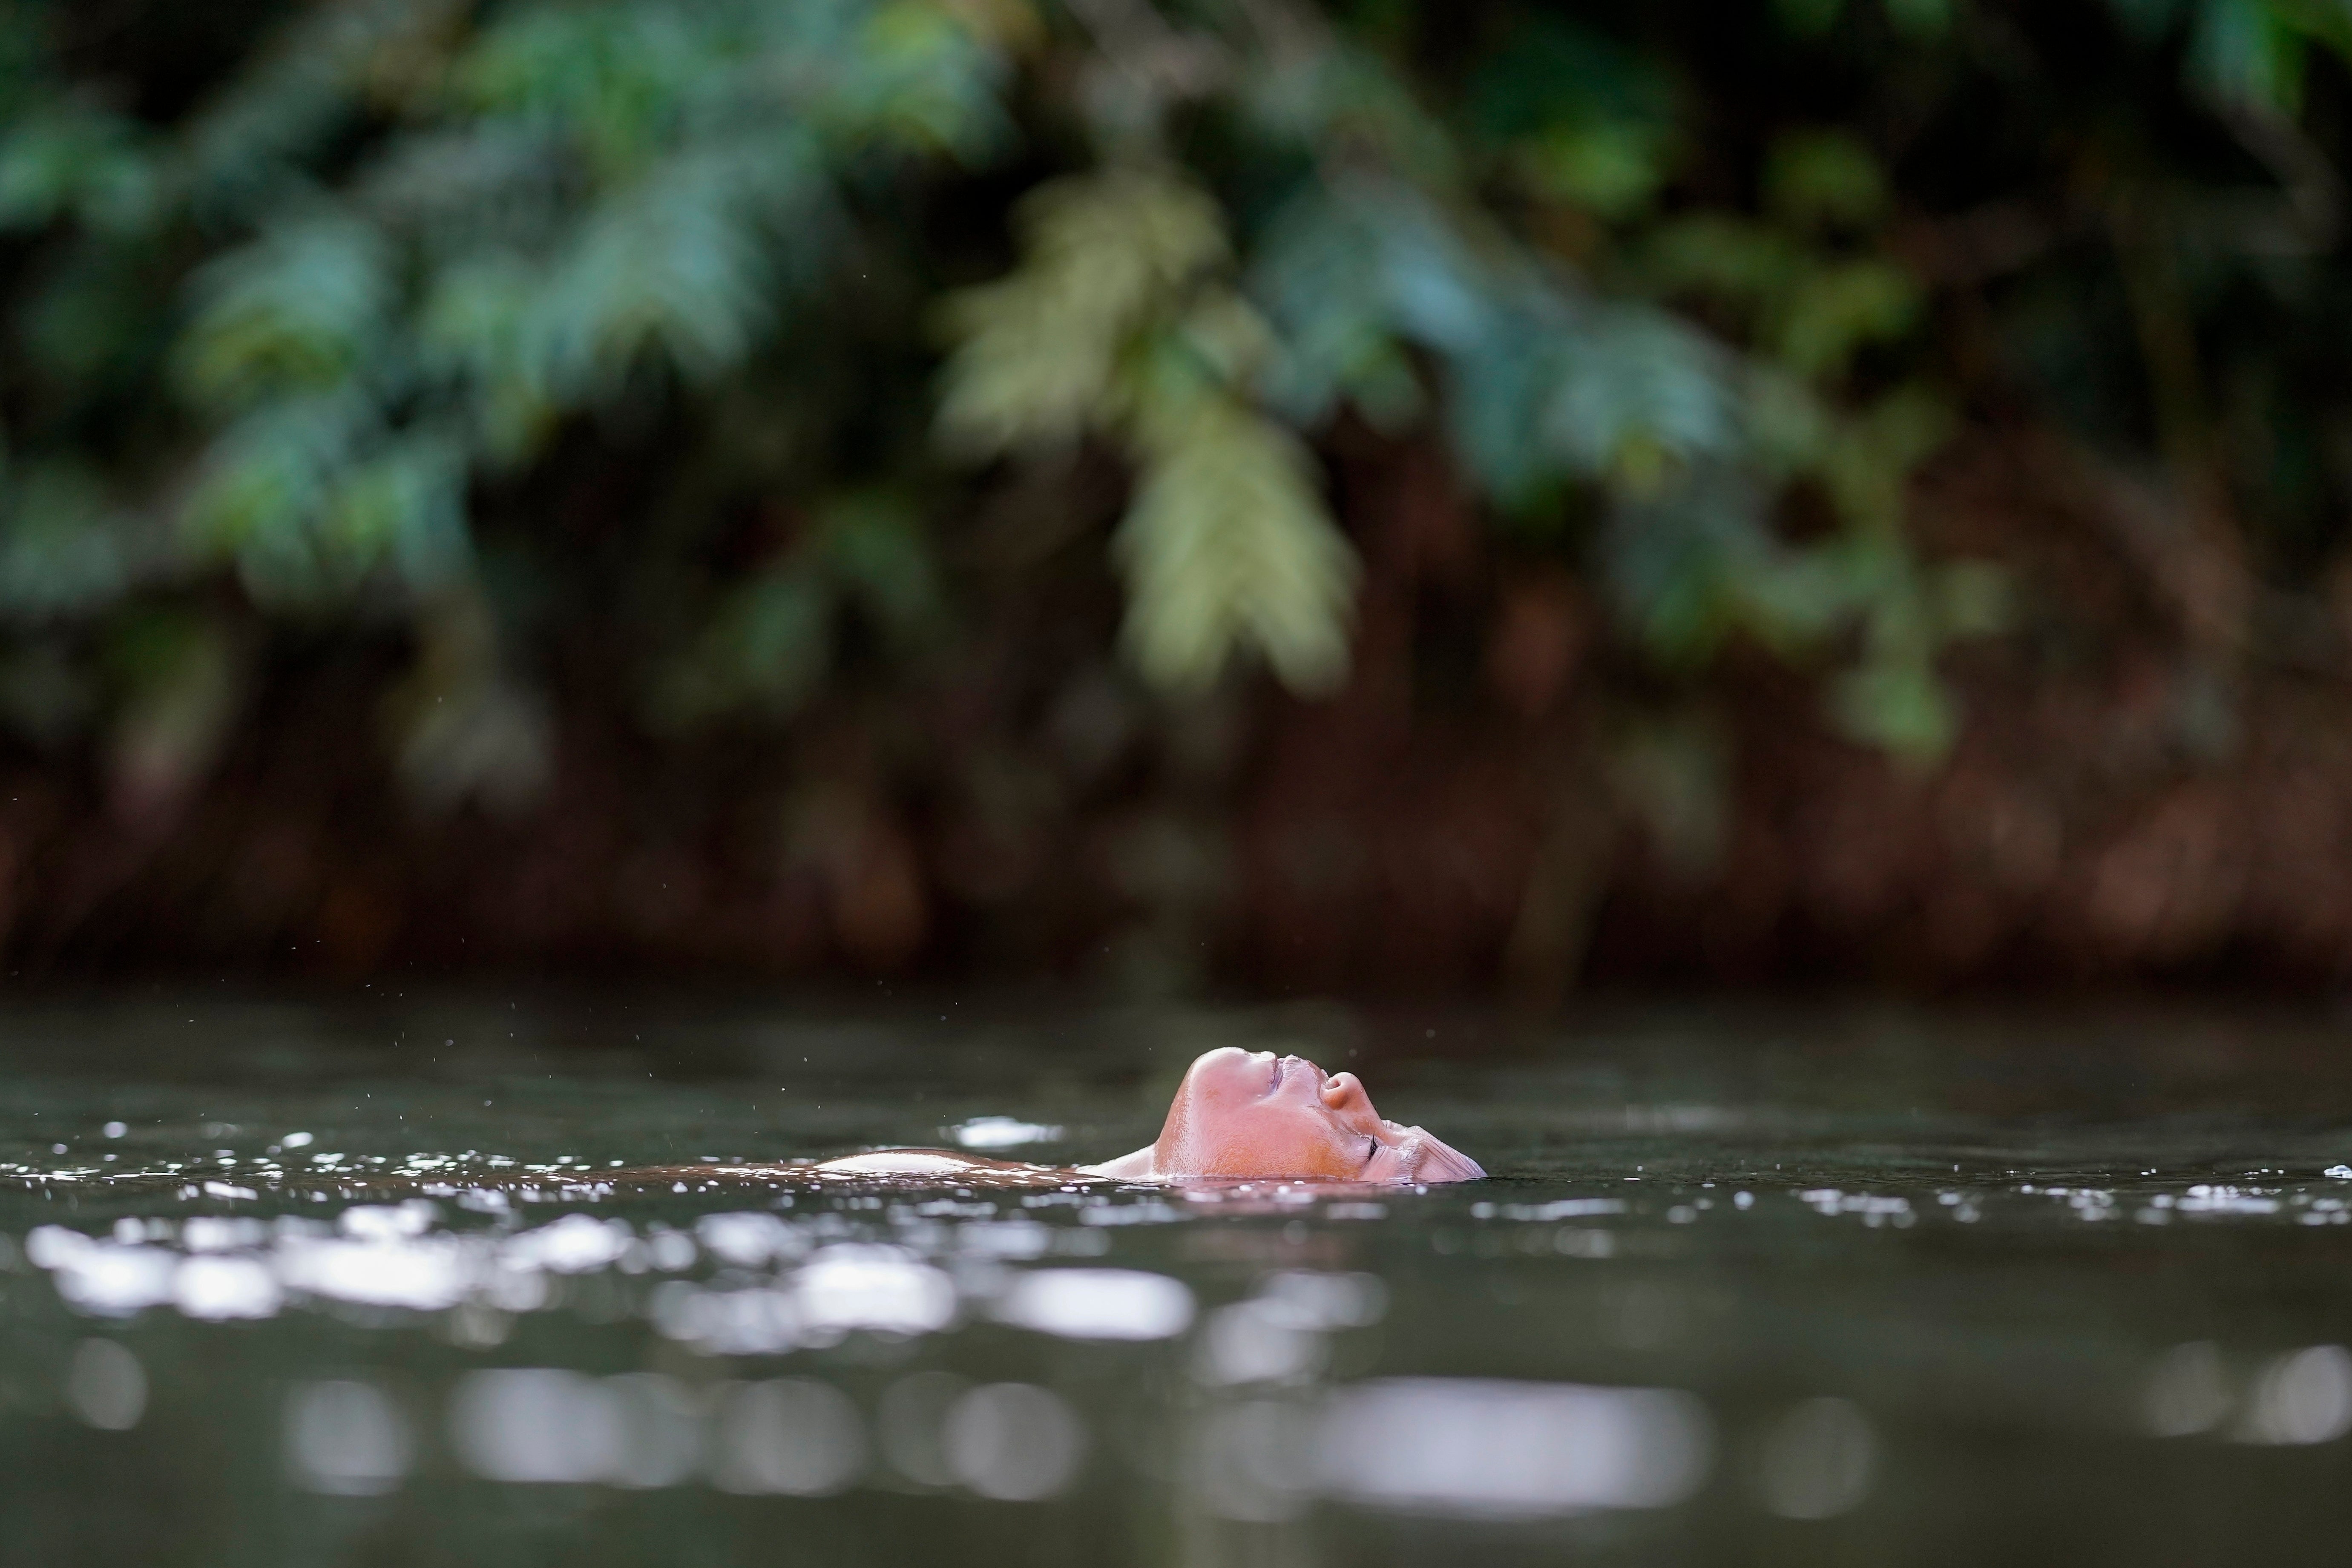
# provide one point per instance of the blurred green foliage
(329, 318)
(1123, 321)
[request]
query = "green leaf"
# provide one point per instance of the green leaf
(1227, 548)
(613, 78)
(1631, 382)
(1790, 428)
(65, 549)
(74, 161)
(301, 308)
(251, 150)
(1680, 562)
(89, 319)
(1311, 100)
(769, 645)
(1825, 178)
(2242, 52)
(1900, 707)
(926, 80)
(1834, 311)
(1037, 353)
(1350, 277)
(1562, 386)
(1612, 169)
(406, 504)
(679, 266)
(1589, 121)
(1870, 459)
(1722, 256)
(1544, 379)
(872, 544)
(479, 330)
(264, 496)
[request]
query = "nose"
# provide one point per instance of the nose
(1343, 1090)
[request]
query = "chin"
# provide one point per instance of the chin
(1441, 1163)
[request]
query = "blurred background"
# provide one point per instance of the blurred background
(1694, 562)
(1221, 496)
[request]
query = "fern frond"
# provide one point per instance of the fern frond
(298, 309)
(1228, 545)
(1038, 351)
(679, 266)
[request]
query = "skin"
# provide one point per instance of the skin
(1239, 1115)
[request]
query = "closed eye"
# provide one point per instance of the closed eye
(1371, 1150)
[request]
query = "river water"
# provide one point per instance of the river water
(370, 1280)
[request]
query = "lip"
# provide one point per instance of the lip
(1281, 1066)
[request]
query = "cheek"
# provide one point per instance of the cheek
(1271, 1143)
(1339, 1159)
(1206, 1111)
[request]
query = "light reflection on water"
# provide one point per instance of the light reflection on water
(1849, 1287)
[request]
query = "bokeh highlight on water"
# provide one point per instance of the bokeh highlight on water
(388, 1283)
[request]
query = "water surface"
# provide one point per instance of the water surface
(372, 1282)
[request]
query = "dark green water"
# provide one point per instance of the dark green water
(354, 1284)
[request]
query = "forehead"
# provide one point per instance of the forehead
(1225, 1061)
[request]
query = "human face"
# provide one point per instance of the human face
(1242, 1113)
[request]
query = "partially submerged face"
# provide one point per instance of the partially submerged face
(1252, 1115)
